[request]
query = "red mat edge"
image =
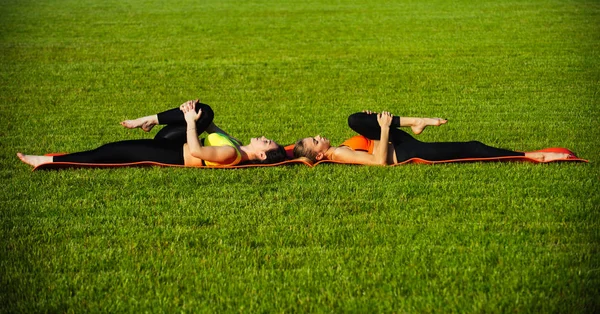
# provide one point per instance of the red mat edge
(571, 158)
(61, 165)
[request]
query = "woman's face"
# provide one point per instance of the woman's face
(262, 144)
(317, 144)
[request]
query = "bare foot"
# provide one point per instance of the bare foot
(546, 156)
(34, 160)
(422, 123)
(145, 123)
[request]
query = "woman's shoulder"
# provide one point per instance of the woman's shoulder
(348, 155)
(340, 151)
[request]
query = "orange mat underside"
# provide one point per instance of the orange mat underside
(62, 165)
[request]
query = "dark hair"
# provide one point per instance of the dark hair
(302, 151)
(274, 155)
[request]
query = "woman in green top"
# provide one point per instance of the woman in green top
(177, 143)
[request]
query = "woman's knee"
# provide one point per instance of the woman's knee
(207, 112)
(355, 120)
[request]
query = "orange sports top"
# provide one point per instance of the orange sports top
(359, 142)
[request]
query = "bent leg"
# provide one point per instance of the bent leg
(170, 117)
(176, 116)
(367, 126)
(176, 129)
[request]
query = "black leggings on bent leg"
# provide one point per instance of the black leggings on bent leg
(176, 128)
(407, 147)
(367, 126)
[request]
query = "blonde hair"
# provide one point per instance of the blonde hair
(302, 151)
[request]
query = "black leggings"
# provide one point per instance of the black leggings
(166, 147)
(407, 147)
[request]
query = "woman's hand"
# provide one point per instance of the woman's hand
(189, 111)
(369, 112)
(195, 101)
(384, 119)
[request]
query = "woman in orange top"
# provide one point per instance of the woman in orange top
(381, 143)
(177, 143)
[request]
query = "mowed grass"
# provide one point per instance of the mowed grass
(481, 237)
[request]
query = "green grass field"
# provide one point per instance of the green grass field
(482, 237)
